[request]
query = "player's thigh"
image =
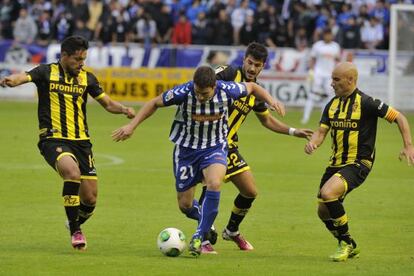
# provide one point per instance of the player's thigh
(235, 163)
(88, 191)
(334, 188)
(213, 175)
(61, 157)
(245, 183)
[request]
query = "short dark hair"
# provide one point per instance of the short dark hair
(72, 44)
(257, 51)
(204, 77)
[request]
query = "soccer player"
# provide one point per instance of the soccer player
(238, 171)
(352, 117)
(63, 88)
(324, 56)
(199, 132)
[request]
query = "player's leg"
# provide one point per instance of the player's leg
(188, 205)
(327, 91)
(244, 181)
(312, 97)
(88, 194)
(332, 195)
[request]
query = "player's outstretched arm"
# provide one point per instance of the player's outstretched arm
(14, 80)
(261, 93)
(116, 107)
(316, 140)
(408, 151)
(145, 112)
(270, 122)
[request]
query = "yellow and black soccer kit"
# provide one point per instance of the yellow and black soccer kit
(353, 126)
(237, 114)
(62, 115)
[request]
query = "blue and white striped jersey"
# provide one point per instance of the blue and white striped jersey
(202, 125)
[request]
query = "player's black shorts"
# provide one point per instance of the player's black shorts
(81, 151)
(235, 163)
(352, 175)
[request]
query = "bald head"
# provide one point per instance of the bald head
(344, 79)
(347, 69)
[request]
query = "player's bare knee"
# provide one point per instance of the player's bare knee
(89, 199)
(72, 173)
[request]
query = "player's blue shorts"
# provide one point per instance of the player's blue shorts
(189, 164)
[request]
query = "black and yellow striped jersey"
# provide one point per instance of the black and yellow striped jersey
(62, 101)
(353, 125)
(241, 107)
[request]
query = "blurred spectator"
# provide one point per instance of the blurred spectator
(25, 28)
(222, 30)
(238, 18)
(7, 14)
(381, 12)
(146, 30)
(78, 9)
(249, 31)
(217, 58)
(95, 8)
(164, 24)
(194, 10)
(213, 10)
(372, 34)
(182, 31)
(345, 14)
(120, 29)
(45, 31)
(262, 18)
(278, 33)
(63, 26)
(81, 30)
(200, 30)
(349, 36)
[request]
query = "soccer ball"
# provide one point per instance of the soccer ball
(171, 242)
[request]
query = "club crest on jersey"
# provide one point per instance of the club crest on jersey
(355, 107)
(169, 95)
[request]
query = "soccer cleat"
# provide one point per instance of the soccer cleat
(211, 235)
(78, 241)
(195, 246)
(354, 253)
(343, 252)
(241, 242)
(207, 248)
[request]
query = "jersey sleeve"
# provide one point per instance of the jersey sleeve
(177, 95)
(39, 73)
(94, 88)
(376, 107)
(226, 73)
(325, 122)
(233, 89)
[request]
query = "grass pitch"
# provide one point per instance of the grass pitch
(137, 200)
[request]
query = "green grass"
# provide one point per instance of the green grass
(137, 200)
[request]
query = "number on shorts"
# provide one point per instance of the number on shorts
(185, 171)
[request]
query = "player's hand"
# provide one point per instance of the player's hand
(277, 106)
(310, 147)
(129, 112)
(407, 153)
(4, 82)
(122, 133)
(303, 133)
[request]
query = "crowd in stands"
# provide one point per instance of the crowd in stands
(277, 23)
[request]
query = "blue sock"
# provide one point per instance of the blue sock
(194, 211)
(209, 212)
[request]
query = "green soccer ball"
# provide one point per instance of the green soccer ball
(171, 242)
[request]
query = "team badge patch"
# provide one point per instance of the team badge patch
(354, 107)
(169, 95)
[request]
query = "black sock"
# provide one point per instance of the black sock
(339, 219)
(71, 203)
(241, 207)
(331, 227)
(85, 212)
